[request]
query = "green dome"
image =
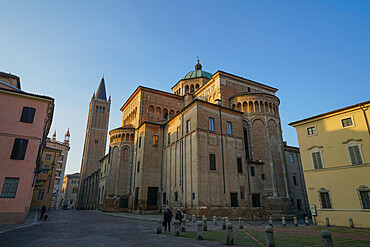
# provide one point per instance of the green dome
(198, 73)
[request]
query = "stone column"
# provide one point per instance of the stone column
(223, 223)
(270, 221)
(306, 221)
(177, 227)
(270, 241)
(230, 234)
(159, 227)
(295, 221)
(327, 221)
(204, 223)
(200, 230)
(283, 221)
(240, 223)
(215, 220)
(327, 241)
(351, 225)
(183, 225)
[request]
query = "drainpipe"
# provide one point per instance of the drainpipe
(363, 108)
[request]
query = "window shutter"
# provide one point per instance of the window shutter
(23, 148)
(31, 114)
(319, 161)
(24, 115)
(352, 155)
(356, 150)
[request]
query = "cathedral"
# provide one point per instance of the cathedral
(213, 146)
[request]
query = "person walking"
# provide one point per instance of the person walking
(167, 217)
(178, 216)
(43, 211)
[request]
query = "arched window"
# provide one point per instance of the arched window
(172, 113)
(256, 105)
(186, 89)
(100, 109)
(103, 109)
(262, 108)
(270, 107)
(245, 106)
(158, 112)
(165, 113)
(239, 106)
(196, 86)
(191, 88)
(97, 108)
(251, 108)
(151, 111)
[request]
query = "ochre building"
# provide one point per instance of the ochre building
(335, 150)
(213, 146)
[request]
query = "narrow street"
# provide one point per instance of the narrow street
(88, 228)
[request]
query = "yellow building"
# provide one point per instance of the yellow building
(335, 152)
(45, 178)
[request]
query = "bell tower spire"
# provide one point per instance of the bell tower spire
(100, 93)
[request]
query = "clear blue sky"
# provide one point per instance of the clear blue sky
(317, 53)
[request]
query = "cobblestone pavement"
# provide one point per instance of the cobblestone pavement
(88, 228)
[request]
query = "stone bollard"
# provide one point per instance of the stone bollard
(306, 221)
(270, 241)
(215, 220)
(193, 218)
(223, 223)
(200, 230)
(159, 227)
(283, 221)
(327, 221)
(183, 225)
(327, 241)
(230, 234)
(227, 220)
(295, 221)
(351, 225)
(240, 223)
(204, 224)
(177, 227)
(270, 221)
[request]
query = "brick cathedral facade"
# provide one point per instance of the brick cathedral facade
(213, 146)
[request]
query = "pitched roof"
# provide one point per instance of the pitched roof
(100, 94)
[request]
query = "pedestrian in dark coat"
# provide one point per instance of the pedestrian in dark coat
(43, 211)
(167, 217)
(178, 216)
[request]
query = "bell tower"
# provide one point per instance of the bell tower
(95, 136)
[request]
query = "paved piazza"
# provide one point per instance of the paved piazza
(89, 228)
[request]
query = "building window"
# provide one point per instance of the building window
(74, 190)
(96, 141)
(103, 109)
(249, 89)
(364, 194)
(212, 162)
(164, 198)
(48, 157)
(324, 198)
(19, 149)
(169, 138)
(252, 171)
(138, 166)
(40, 195)
(291, 158)
(316, 158)
(140, 142)
(193, 196)
(240, 166)
(263, 176)
(229, 128)
(211, 124)
(294, 180)
(176, 196)
(155, 141)
(188, 126)
(242, 193)
(28, 114)
(45, 169)
(311, 131)
(354, 152)
(9, 188)
(97, 108)
(347, 122)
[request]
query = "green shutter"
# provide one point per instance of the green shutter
(356, 150)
